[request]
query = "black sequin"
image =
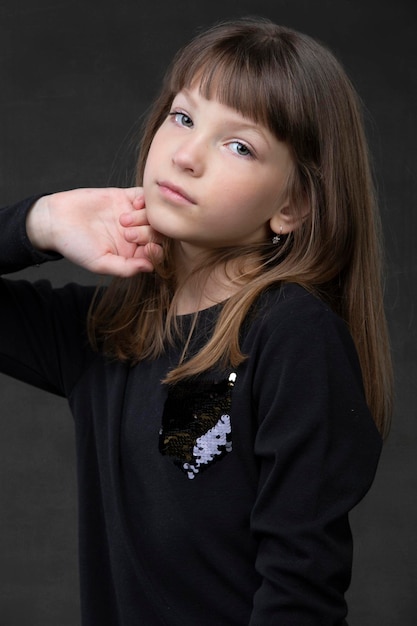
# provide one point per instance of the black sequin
(196, 423)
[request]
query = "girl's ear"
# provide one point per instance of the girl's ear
(285, 220)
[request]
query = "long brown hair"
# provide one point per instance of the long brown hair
(296, 88)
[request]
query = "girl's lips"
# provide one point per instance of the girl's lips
(174, 192)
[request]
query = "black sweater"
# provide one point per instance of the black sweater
(225, 501)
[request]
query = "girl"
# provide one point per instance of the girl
(223, 386)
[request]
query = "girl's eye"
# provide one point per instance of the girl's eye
(240, 148)
(182, 119)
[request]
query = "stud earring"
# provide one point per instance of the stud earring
(277, 238)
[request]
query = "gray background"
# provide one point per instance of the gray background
(75, 78)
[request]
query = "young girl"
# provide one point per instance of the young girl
(223, 386)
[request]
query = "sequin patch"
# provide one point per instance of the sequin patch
(196, 425)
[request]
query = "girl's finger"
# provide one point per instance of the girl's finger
(134, 218)
(141, 235)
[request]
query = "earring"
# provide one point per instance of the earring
(277, 238)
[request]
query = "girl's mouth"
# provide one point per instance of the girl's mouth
(175, 193)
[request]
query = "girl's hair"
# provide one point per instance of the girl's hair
(295, 87)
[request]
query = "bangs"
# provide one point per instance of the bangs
(251, 79)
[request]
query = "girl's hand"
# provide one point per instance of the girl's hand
(103, 230)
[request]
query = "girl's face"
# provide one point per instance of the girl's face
(214, 178)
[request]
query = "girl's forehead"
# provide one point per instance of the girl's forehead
(194, 93)
(261, 99)
(218, 89)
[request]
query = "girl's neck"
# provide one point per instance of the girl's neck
(203, 284)
(200, 291)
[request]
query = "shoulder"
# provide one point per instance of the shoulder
(291, 307)
(301, 354)
(289, 324)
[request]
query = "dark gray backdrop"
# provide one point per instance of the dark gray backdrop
(75, 78)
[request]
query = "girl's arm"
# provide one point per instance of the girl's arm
(103, 230)
(42, 330)
(318, 449)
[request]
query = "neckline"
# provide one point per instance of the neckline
(213, 308)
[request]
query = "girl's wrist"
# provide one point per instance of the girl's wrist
(38, 223)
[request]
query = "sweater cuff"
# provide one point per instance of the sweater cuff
(16, 250)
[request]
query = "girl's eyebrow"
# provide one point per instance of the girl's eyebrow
(236, 120)
(250, 126)
(185, 92)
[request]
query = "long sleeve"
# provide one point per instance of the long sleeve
(16, 251)
(318, 449)
(42, 330)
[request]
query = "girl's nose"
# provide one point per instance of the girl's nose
(189, 156)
